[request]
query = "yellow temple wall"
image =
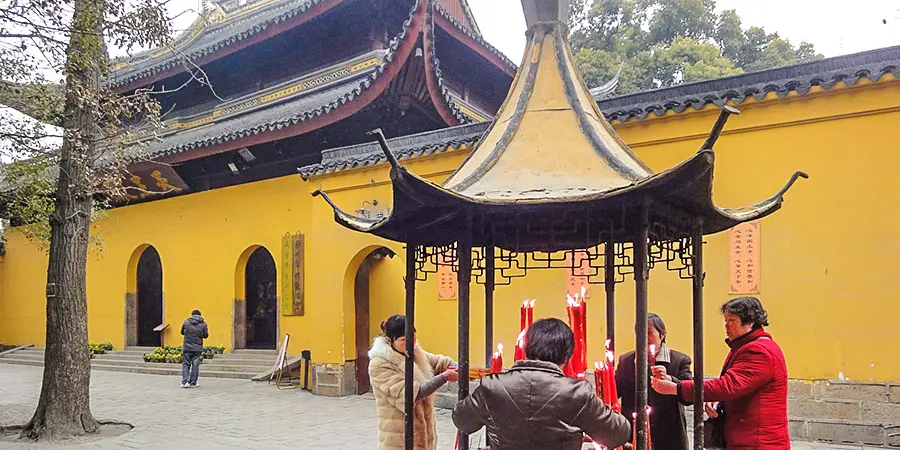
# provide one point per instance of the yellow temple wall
(827, 258)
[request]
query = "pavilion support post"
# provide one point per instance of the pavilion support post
(464, 253)
(641, 273)
(489, 282)
(697, 250)
(609, 282)
(409, 397)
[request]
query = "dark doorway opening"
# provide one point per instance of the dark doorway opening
(149, 298)
(362, 302)
(262, 301)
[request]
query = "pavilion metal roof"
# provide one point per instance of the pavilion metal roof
(548, 152)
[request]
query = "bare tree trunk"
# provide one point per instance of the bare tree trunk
(64, 406)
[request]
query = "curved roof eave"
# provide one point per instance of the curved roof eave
(474, 41)
(366, 91)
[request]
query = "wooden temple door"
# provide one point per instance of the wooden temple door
(361, 299)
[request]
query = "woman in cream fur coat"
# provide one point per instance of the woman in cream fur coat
(386, 371)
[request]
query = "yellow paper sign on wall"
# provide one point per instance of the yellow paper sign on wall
(448, 283)
(578, 277)
(744, 259)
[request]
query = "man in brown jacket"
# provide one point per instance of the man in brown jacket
(535, 406)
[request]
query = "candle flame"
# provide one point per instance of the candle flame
(649, 410)
(525, 304)
(532, 303)
(583, 291)
(499, 348)
(652, 350)
(610, 356)
(634, 414)
(608, 343)
(596, 365)
(596, 445)
(571, 301)
(520, 341)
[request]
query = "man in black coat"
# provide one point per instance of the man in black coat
(194, 330)
(668, 426)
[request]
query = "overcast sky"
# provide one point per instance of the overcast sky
(836, 27)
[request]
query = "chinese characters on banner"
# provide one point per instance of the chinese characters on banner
(578, 277)
(743, 259)
(292, 265)
(448, 283)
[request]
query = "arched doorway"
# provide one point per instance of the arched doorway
(362, 303)
(260, 295)
(149, 294)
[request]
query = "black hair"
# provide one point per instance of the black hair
(549, 340)
(195, 312)
(657, 323)
(395, 327)
(749, 309)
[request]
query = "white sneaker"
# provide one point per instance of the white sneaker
(194, 385)
(185, 385)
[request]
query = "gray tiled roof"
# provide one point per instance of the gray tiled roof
(212, 39)
(262, 120)
(800, 78)
(279, 116)
(405, 147)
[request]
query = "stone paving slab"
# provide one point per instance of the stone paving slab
(221, 414)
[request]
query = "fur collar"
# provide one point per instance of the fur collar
(381, 348)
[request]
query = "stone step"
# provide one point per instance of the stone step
(151, 368)
(251, 365)
(251, 351)
(212, 366)
(217, 360)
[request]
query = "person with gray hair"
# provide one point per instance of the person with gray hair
(748, 402)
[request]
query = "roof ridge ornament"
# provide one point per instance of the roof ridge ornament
(382, 141)
(537, 11)
(717, 128)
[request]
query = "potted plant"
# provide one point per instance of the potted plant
(147, 357)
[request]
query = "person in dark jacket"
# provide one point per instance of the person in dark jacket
(194, 330)
(535, 406)
(667, 420)
(752, 389)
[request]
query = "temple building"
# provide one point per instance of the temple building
(221, 220)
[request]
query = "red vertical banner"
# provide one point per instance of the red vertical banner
(744, 259)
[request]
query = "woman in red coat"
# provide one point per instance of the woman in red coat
(752, 389)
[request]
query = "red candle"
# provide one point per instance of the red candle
(523, 316)
(497, 360)
(583, 311)
(634, 429)
(575, 323)
(614, 393)
(531, 313)
(598, 381)
(520, 347)
(567, 369)
(649, 441)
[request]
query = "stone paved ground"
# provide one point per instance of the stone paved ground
(220, 415)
